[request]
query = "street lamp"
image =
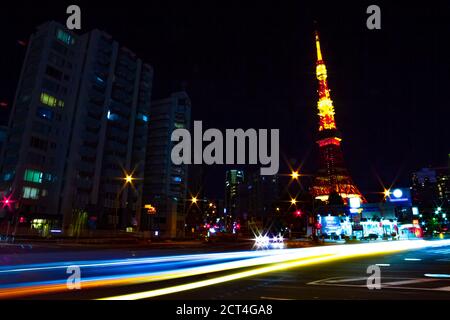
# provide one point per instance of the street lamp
(295, 175)
(387, 193)
(293, 201)
(128, 180)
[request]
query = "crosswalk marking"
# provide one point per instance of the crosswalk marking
(400, 284)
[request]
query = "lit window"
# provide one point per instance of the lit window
(48, 177)
(65, 37)
(8, 176)
(112, 116)
(142, 117)
(51, 101)
(33, 176)
(30, 193)
(99, 80)
(44, 113)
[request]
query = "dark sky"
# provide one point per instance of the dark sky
(251, 64)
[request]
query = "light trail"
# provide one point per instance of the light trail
(136, 261)
(274, 260)
(342, 252)
(269, 257)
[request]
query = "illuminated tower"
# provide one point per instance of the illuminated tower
(332, 175)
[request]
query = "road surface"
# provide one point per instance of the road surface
(409, 270)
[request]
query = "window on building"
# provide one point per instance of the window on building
(44, 113)
(142, 117)
(30, 193)
(48, 177)
(58, 47)
(39, 143)
(54, 73)
(33, 176)
(65, 37)
(8, 176)
(50, 85)
(112, 116)
(51, 101)
(177, 179)
(56, 60)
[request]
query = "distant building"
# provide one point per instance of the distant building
(431, 195)
(165, 183)
(233, 179)
(78, 126)
(259, 196)
(258, 203)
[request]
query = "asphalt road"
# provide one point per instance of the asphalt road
(412, 274)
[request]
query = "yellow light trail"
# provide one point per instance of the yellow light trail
(349, 251)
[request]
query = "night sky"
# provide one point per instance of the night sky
(251, 64)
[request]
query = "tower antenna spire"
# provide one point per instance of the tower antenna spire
(319, 51)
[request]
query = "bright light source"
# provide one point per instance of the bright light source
(293, 201)
(397, 193)
(415, 211)
(262, 241)
(128, 178)
(295, 175)
(355, 202)
(387, 193)
(194, 199)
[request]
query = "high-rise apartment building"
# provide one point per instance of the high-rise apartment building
(233, 179)
(77, 128)
(165, 183)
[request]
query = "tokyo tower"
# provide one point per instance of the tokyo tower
(332, 175)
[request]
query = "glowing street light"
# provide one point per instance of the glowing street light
(295, 175)
(194, 199)
(293, 201)
(129, 178)
(387, 193)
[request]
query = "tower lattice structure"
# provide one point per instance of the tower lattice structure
(332, 175)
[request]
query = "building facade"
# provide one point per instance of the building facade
(165, 183)
(77, 128)
(233, 180)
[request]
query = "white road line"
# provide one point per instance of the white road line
(347, 280)
(416, 280)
